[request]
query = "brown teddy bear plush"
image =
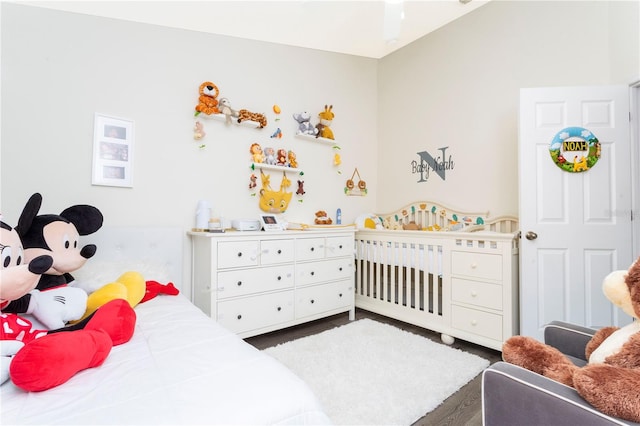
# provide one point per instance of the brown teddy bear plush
(207, 101)
(322, 218)
(611, 379)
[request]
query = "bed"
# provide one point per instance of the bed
(180, 367)
(454, 272)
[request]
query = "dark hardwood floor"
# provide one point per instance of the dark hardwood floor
(464, 408)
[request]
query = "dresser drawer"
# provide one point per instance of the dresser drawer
(477, 293)
(247, 281)
(276, 251)
(339, 246)
(232, 254)
(250, 313)
(476, 265)
(327, 270)
(310, 248)
(477, 322)
(325, 297)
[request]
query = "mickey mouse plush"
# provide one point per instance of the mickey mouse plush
(611, 379)
(54, 303)
(38, 360)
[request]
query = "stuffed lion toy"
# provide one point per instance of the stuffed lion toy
(207, 101)
(611, 379)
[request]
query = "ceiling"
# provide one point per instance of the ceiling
(351, 27)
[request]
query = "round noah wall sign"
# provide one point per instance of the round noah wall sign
(575, 149)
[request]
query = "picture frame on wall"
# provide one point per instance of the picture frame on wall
(112, 151)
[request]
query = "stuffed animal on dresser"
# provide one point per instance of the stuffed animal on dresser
(611, 379)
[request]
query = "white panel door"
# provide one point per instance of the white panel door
(576, 226)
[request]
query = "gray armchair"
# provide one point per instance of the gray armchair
(514, 396)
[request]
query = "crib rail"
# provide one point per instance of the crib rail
(429, 215)
(398, 277)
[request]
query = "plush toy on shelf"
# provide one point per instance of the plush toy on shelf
(225, 108)
(304, 124)
(207, 101)
(324, 126)
(270, 156)
(293, 161)
(246, 115)
(611, 379)
(256, 153)
(282, 157)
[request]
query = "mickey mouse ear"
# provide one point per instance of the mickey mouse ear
(29, 213)
(87, 219)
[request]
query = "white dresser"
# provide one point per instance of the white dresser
(483, 292)
(256, 282)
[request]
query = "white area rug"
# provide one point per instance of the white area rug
(369, 373)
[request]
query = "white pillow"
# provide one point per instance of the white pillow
(96, 273)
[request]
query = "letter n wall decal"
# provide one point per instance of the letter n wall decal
(428, 162)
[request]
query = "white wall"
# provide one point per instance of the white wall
(458, 88)
(59, 68)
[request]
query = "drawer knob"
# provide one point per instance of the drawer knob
(279, 278)
(279, 251)
(340, 246)
(340, 268)
(240, 254)
(474, 322)
(474, 265)
(474, 294)
(312, 273)
(279, 308)
(239, 316)
(313, 301)
(239, 283)
(340, 295)
(313, 248)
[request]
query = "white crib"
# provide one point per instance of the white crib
(459, 283)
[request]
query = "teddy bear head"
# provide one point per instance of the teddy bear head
(209, 89)
(622, 288)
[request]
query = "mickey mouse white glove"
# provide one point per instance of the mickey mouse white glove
(55, 307)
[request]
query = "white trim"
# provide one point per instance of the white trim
(584, 407)
(634, 126)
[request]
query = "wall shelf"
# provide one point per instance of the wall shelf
(255, 166)
(318, 139)
(223, 118)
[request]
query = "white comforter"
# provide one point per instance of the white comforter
(179, 368)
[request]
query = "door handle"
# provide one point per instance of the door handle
(531, 235)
